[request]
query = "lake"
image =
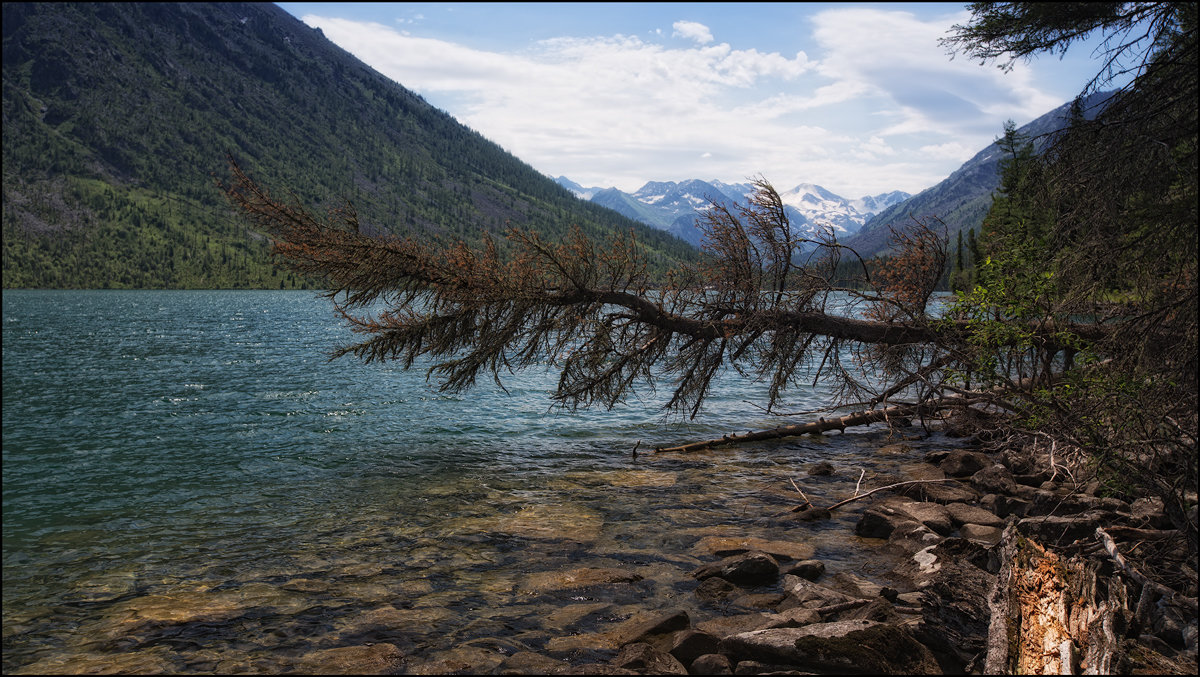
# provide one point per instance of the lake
(191, 486)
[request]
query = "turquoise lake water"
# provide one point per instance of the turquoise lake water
(191, 486)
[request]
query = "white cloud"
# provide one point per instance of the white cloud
(951, 150)
(903, 62)
(883, 109)
(692, 31)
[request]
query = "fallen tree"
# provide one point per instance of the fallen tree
(1081, 325)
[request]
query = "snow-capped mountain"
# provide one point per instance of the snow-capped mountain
(673, 206)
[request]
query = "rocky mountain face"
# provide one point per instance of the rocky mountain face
(674, 206)
(962, 200)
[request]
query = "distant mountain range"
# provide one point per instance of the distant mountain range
(962, 200)
(674, 206)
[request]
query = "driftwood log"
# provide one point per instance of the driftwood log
(818, 426)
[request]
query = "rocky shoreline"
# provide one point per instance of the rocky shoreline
(965, 530)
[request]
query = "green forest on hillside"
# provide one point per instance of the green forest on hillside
(118, 120)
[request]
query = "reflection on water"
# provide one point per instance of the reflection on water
(190, 487)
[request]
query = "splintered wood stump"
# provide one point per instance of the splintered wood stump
(1052, 615)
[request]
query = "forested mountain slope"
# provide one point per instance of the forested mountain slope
(117, 118)
(963, 198)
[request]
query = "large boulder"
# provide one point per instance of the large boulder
(812, 569)
(643, 626)
(932, 515)
(983, 535)
(712, 664)
(1003, 506)
(724, 626)
(879, 522)
(855, 586)
(911, 536)
(688, 645)
(994, 479)
(963, 462)
(715, 589)
(859, 646)
(884, 516)
(954, 586)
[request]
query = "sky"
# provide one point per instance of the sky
(857, 98)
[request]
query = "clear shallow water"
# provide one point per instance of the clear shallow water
(190, 486)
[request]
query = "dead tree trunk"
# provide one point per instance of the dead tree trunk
(1067, 616)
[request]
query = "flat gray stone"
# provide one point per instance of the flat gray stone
(961, 513)
(984, 535)
(805, 594)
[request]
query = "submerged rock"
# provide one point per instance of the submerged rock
(556, 581)
(568, 615)
(810, 569)
(751, 568)
(821, 469)
(645, 658)
(859, 646)
(531, 663)
(368, 659)
(558, 522)
(725, 546)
